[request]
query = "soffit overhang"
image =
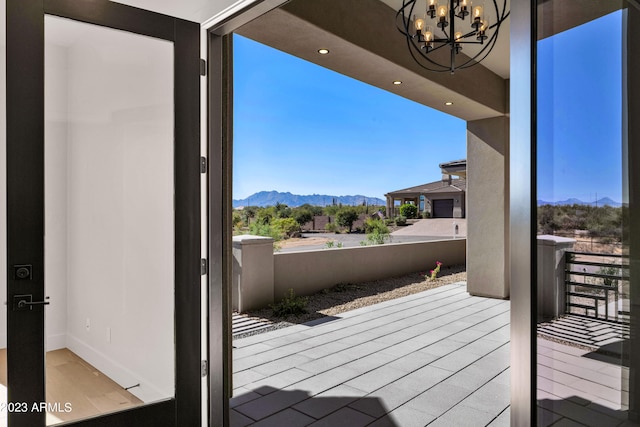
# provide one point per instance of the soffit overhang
(366, 45)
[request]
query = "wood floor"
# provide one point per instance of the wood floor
(71, 379)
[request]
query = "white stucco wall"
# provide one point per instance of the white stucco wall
(307, 272)
(487, 203)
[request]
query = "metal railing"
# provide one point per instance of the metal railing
(593, 283)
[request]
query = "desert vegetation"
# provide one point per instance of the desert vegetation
(595, 228)
(283, 222)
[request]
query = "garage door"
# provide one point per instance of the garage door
(443, 208)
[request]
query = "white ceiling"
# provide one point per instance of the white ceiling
(191, 10)
(204, 10)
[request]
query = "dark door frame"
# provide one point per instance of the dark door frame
(219, 197)
(25, 203)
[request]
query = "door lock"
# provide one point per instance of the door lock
(26, 303)
(22, 272)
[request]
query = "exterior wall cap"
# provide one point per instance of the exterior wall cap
(248, 239)
(549, 240)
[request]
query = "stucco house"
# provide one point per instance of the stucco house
(440, 199)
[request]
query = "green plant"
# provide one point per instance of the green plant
(258, 228)
(434, 273)
(426, 214)
(302, 216)
(401, 220)
(339, 244)
(377, 237)
(373, 224)
(346, 217)
(290, 304)
(285, 227)
(331, 227)
(409, 211)
(329, 244)
(344, 287)
(609, 271)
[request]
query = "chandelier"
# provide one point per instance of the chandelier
(458, 23)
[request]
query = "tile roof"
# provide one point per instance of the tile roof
(457, 185)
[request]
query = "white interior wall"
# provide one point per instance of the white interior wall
(118, 206)
(56, 129)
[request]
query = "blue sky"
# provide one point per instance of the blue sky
(579, 117)
(302, 128)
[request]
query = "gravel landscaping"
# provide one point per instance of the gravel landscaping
(345, 296)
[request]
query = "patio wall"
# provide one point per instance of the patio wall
(311, 271)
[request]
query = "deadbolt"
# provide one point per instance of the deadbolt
(22, 272)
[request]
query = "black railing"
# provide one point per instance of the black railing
(594, 282)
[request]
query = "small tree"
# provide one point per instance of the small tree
(409, 211)
(346, 217)
(302, 216)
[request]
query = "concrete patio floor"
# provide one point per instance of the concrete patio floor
(439, 357)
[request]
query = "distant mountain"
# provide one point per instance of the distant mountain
(270, 198)
(605, 201)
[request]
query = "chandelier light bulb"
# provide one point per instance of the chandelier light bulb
(419, 23)
(477, 12)
(428, 34)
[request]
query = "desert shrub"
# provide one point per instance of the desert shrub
(331, 227)
(371, 224)
(377, 231)
(610, 271)
(426, 214)
(409, 211)
(400, 220)
(236, 220)
(290, 304)
(285, 227)
(377, 237)
(259, 228)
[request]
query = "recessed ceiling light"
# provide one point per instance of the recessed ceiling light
(323, 51)
(397, 82)
(448, 103)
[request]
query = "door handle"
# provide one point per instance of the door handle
(25, 302)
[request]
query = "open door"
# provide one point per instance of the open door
(103, 216)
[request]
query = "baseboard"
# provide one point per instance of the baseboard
(146, 391)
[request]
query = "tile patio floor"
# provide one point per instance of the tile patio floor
(437, 358)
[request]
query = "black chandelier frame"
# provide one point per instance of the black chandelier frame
(420, 48)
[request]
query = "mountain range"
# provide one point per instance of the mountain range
(605, 201)
(270, 198)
